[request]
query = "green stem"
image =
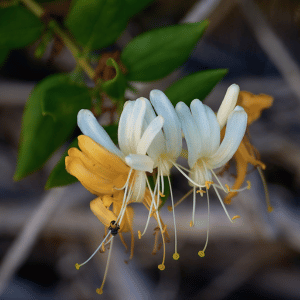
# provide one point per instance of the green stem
(76, 52)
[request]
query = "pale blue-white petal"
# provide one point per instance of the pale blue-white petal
(158, 145)
(202, 122)
(190, 131)
(214, 130)
(140, 162)
(148, 136)
(123, 132)
(235, 130)
(171, 128)
(228, 104)
(89, 126)
(137, 116)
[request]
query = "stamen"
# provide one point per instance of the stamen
(77, 266)
(175, 255)
(202, 253)
(180, 200)
(188, 178)
(222, 204)
(201, 192)
(194, 208)
(263, 179)
(100, 290)
(208, 183)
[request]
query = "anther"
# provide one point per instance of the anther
(249, 185)
(191, 224)
(235, 217)
(139, 234)
(99, 291)
(161, 194)
(77, 266)
(161, 267)
(227, 187)
(208, 184)
(201, 253)
(170, 208)
(176, 256)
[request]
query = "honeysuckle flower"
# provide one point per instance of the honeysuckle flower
(247, 153)
(201, 128)
(165, 147)
(126, 167)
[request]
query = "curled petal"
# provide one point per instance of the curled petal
(150, 133)
(172, 127)
(191, 134)
(140, 162)
(124, 131)
(101, 155)
(235, 130)
(202, 122)
(104, 215)
(89, 179)
(228, 104)
(89, 126)
(214, 130)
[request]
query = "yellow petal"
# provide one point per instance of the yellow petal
(254, 104)
(101, 155)
(76, 168)
(104, 215)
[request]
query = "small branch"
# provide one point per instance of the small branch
(76, 52)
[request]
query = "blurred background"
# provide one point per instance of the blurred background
(43, 234)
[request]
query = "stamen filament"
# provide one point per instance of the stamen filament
(80, 265)
(180, 200)
(222, 204)
(176, 254)
(202, 253)
(263, 179)
(100, 290)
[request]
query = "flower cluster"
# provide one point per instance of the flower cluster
(150, 141)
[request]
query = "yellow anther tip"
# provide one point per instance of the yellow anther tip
(77, 266)
(191, 224)
(139, 234)
(169, 208)
(270, 208)
(161, 194)
(249, 185)
(161, 267)
(176, 256)
(99, 291)
(227, 187)
(235, 217)
(201, 253)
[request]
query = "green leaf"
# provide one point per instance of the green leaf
(63, 101)
(156, 53)
(59, 175)
(116, 86)
(98, 23)
(194, 86)
(18, 27)
(3, 55)
(42, 134)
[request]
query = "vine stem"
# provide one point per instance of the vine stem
(76, 52)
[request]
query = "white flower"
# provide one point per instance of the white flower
(132, 142)
(202, 134)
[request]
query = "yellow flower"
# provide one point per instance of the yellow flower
(247, 153)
